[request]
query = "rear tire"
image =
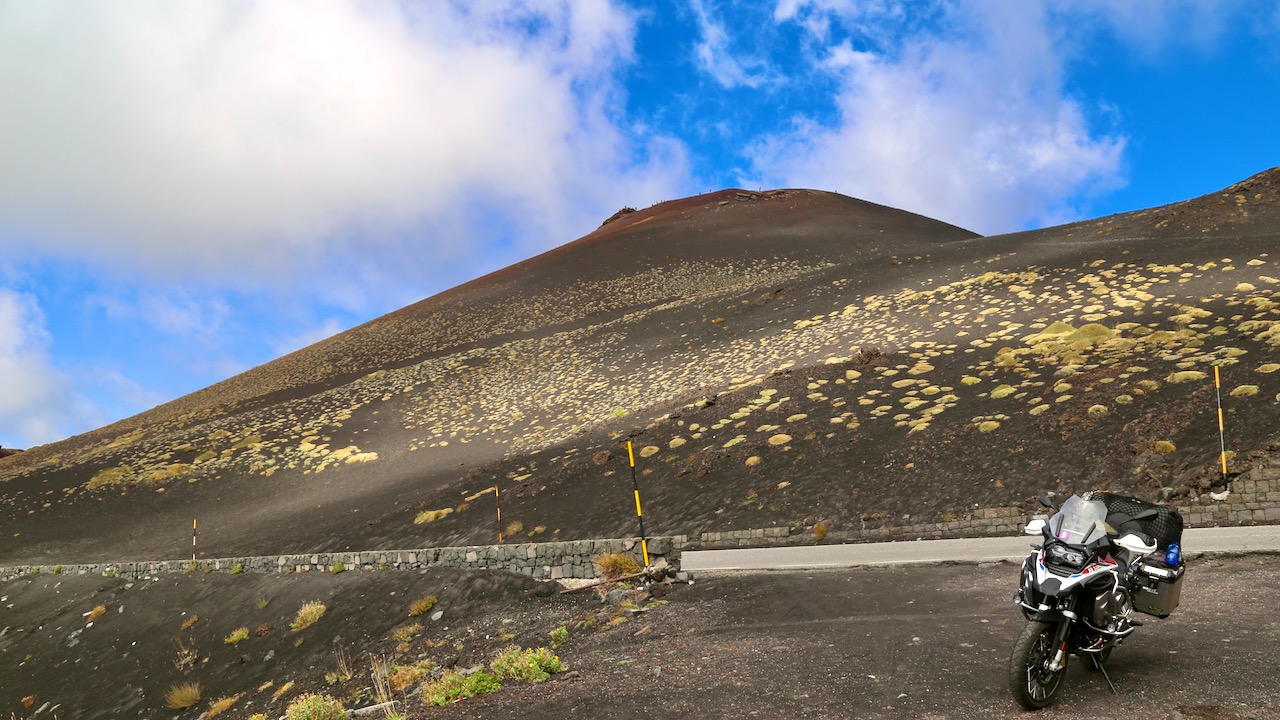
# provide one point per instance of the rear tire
(1031, 681)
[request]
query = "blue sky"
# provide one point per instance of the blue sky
(188, 190)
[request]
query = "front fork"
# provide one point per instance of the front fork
(1060, 637)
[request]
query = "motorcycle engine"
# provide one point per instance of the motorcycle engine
(1111, 607)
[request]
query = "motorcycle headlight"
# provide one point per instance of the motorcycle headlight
(1063, 555)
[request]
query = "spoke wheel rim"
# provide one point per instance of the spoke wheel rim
(1041, 681)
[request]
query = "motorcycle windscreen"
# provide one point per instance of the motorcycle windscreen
(1080, 521)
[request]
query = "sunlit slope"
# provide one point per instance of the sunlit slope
(656, 305)
(776, 358)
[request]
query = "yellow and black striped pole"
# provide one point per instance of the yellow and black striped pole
(498, 504)
(193, 539)
(1222, 434)
(635, 486)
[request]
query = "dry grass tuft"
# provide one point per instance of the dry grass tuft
(221, 705)
(95, 613)
(427, 516)
(406, 633)
(422, 605)
(612, 566)
(1164, 447)
(308, 615)
(110, 476)
(820, 531)
(237, 636)
(182, 696)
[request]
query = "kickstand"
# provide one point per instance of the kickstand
(1097, 663)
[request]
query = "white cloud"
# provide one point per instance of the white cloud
(176, 312)
(224, 140)
(970, 123)
(125, 392)
(327, 329)
(1155, 26)
(36, 403)
(716, 57)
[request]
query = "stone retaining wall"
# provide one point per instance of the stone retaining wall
(550, 561)
(1254, 500)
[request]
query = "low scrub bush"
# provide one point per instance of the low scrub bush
(401, 677)
(612, 566)
(308, 615)
(182, 696)
(454, 686)
(559, 636)
(315, 707)
(110, 476)
(422, 605)
(237, 636)
(534, 664)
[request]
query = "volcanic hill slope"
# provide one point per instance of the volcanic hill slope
(776, 358)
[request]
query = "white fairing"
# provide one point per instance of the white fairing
(1070, 581)
(1035, 526)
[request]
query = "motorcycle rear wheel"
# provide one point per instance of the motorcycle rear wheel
(1031, 681)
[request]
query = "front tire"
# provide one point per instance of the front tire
(1031, 681)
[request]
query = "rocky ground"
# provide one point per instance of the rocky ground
(924, 642)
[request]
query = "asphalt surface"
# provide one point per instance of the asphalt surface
(1195, 541)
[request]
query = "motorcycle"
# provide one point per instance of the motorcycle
(1103, 556)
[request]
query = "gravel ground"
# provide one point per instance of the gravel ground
(924, 642)
(907, 643)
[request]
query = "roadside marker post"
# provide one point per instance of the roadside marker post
(635, 486)
(193, 539)
(498, 504)
(1222, 433)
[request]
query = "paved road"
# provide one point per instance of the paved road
(1263, 538)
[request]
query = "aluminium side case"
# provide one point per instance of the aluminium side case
(1158, 587)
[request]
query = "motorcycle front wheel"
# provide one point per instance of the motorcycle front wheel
(1031, 681)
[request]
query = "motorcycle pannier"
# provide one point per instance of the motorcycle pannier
(1158, 588)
